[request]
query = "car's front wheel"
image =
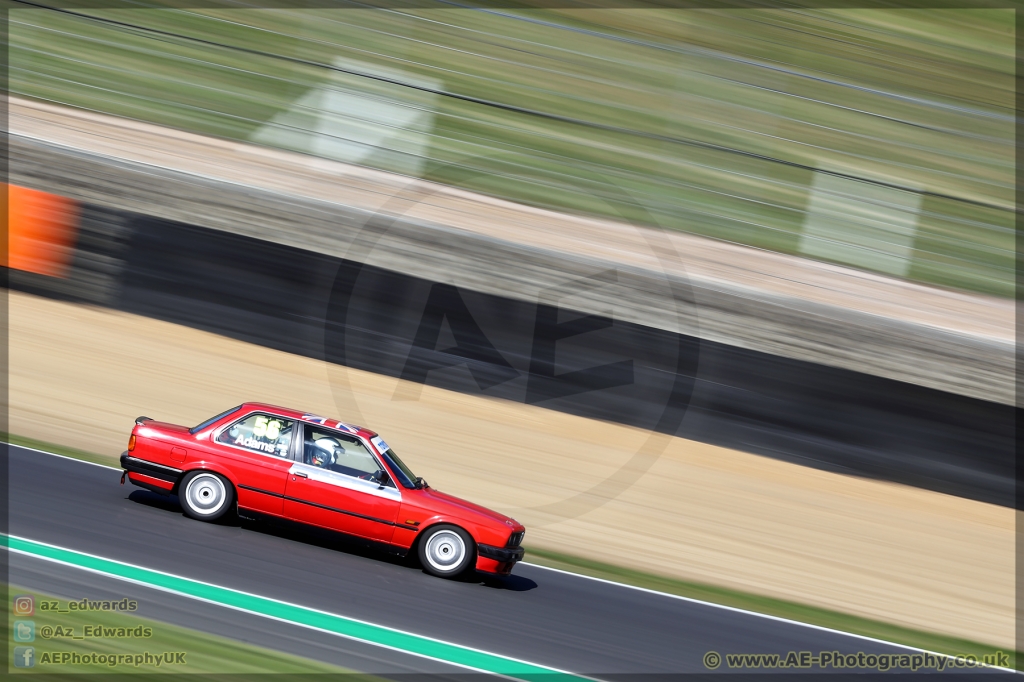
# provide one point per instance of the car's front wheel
(446, 551)
(205, 495)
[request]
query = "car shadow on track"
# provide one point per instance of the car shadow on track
(331, 540)
(167, 503)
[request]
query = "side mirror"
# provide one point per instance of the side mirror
(381, 477)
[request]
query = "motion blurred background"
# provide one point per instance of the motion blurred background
(809, 216)
(717, 121)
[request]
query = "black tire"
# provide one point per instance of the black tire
(205, 496)
(446, 551)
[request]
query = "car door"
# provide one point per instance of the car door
(257, 449)
(330, 485)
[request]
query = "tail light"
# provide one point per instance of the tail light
(131, 443)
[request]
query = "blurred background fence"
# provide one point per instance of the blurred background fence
(877, 139)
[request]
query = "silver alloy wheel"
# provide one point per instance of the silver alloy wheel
(445, 550)
(205, 494)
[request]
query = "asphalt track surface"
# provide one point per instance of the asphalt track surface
(546, 617)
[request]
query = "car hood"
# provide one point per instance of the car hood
(461, 507)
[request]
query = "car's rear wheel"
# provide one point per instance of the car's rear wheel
(205, 495)
(446, 551)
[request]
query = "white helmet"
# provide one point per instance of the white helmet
(325, 452)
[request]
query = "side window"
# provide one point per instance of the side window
(337, 452)
(262, 433)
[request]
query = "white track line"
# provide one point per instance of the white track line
(734, 609)
(54, 454)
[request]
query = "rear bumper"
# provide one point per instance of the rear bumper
(148, 474)
(502, 555)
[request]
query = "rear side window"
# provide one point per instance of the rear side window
(213, 420)
(265, 433)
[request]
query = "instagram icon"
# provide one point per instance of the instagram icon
(24, 605)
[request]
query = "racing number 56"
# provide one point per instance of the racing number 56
(264, 427)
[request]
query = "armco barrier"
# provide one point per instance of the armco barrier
(386, 322)
(938, 345)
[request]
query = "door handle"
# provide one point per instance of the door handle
(301, 475)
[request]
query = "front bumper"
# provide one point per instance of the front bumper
(503, 555)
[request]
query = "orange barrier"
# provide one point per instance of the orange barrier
(41, 231)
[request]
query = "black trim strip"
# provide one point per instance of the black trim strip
(304, 526)
(502, 554)
(141, 466)
(259, 490)
(333, 509)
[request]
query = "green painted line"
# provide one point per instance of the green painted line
(351, 628)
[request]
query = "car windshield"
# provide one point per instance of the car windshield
(405, 475)
(211, 420)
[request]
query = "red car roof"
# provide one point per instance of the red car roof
(311, 418)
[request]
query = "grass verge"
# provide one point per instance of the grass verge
(754, 100)
(717, 595)
(108, 460)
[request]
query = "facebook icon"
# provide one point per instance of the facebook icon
(24, 656)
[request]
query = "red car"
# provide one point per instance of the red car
(322, 472)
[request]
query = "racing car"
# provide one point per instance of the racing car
(284, 463)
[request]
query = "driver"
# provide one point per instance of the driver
(323, 452)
